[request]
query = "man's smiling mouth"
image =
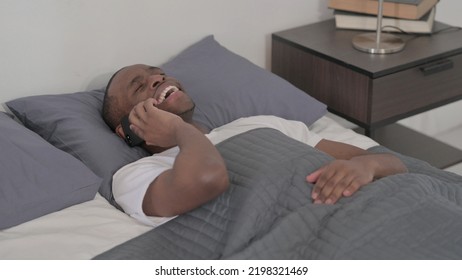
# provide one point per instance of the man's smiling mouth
(166, 93)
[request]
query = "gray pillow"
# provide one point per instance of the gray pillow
(226, 86)
(36, 178)
(72, 122)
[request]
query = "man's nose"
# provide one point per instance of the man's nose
(155, 80)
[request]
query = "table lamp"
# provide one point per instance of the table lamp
(378, 43)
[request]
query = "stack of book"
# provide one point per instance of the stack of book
(410, 16)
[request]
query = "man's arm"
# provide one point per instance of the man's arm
(352, 169)
(198, 174)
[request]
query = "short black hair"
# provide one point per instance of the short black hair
(111, 113)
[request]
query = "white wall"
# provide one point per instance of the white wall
(53, 46)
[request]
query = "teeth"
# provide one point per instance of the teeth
(163, 94)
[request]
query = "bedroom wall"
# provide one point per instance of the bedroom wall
(55, 46)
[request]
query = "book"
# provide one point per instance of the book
(407, 9)
(348, 20)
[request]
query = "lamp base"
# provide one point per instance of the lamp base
(367, 42)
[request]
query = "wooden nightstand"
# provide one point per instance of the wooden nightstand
(374, 91)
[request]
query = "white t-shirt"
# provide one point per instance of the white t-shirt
(131, 182)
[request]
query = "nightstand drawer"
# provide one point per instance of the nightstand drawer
(417, 89)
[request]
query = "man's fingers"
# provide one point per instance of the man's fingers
(149, 104)
(332, 186)
(313, 178)
(338, 189)
(137, 130)
(140, 113)
(352, 188)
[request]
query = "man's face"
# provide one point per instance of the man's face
(136, 83)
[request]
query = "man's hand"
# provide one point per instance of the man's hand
(155, 126)
(339, 178)
(352, 169)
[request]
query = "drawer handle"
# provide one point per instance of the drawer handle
(436, 67)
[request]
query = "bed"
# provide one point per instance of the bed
(58, 158)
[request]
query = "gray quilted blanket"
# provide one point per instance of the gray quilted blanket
(267, 212)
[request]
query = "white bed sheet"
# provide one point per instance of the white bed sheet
(79, 232)
(330, 129)
(88, 229)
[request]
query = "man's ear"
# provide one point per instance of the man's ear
(119, 131)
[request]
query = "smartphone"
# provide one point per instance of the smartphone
(130, 137)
